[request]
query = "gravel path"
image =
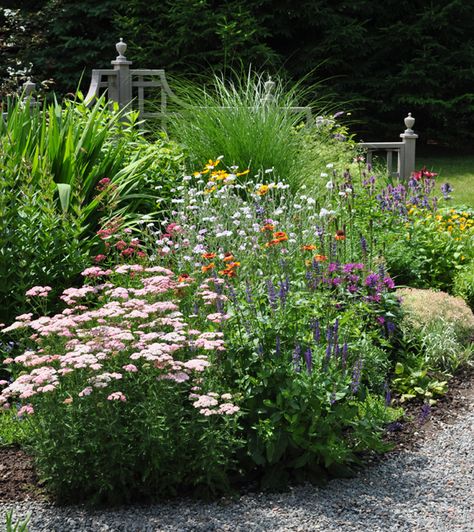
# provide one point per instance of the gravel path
(430, 489)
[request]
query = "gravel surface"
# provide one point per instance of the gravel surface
(430, 489)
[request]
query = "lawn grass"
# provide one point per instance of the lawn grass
(455, 169)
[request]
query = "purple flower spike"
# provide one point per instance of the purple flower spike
(328, 353)
(272, 297)
(372, 279)
(344, 354)
(356, 375)
(315, 327)
(297, 358)
(308, 357)
(283, 292)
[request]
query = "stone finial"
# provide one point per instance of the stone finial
(409, 123)
(269, 85)
(29, 88)
(121, 48)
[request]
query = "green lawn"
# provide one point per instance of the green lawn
(457, 170)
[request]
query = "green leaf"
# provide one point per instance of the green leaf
(399, 369)
(64, 191)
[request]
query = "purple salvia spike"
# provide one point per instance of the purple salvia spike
(344, 354)
(308, 357)
(272, 297)
(297, 358)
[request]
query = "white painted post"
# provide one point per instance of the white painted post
(407, 153)
(124, 81)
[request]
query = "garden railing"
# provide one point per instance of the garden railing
(404, 150)
(127, 86)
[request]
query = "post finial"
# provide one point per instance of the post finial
(409, 123)
(29, 87)
(268, 86)
(121, 48)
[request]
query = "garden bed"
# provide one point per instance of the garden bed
(19, 482)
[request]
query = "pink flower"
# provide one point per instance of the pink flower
(27, 409)
(130, 367)
(99, 258)
(117, 396)
(86, 391)
(39, 291)
(205, 401)
(228, 409)
(218, 317)
(95, 271)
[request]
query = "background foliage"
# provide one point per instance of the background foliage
(388, 57)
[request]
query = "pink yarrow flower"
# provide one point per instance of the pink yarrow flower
(38, 291)
(117, 396)
(27, 409)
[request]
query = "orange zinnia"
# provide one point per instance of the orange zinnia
(309, 247)
(210, 266)
(183, 277)
(267, 227)
(228, 257)
(320, 258)
(208, 255)
(340, 235)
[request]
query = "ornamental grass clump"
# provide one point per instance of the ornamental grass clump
(120, 392)
(251, 126)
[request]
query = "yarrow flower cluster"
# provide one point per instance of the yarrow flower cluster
(128, 330)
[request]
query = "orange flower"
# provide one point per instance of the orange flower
(340, 235)
(232, 265)
(228, 257)
(273, 242)
(267, 227)
(280, 235)
(183, 277)
(210, 266)
(208, 255)
(320, 258)
(229, 272)
(309, 247)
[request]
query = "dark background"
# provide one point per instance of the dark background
(383, 57)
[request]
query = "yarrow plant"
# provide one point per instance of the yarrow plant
(121, 365)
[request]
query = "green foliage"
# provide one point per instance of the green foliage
(13, 431)
(443, 347)
(464, 284)
(438, 328)
(16, 526)
(38, 243)
(65, 169)
(416, 383)
(233, 119)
